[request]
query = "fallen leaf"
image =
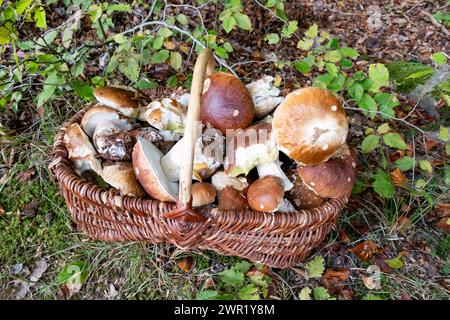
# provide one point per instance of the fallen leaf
(333, 279)
(384, 267)
(185, 264)
(402, 224)
(39, 268)
(398, 178)
(444, 224)
(26, 175)
(346, 294)
(30, 210)
(365, 250)
(370, 282)
(21, 288)
(2, 211)
(209, 283)
(16, 269)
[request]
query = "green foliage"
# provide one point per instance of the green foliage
(76, 271)
(232, 16)
(382, 184)
(315, 267)
(440, 58)
(370, 143)
(406, 76)
(318, 293)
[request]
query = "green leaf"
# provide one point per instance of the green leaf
(4, 35)
(207, 295)
(39, 18)
(359, 76)
(305, 294)
(332, 69)
(50, 85)
(440, 58)
(368, 104)
(119, 7)
(75, 272)
(228, 47)
(165, 32)
(243, 21)
(426, 166)
(370, 143)
(384, 128)
(176, 60)
(221, 52)
(249, 292)
(315, 267)
(22, 5)
(272, 38)
(383, 185)
(371, 296)
(320, 293)
(312, 32)
(379, 75)
(145, 84)
(83, 90)
(405, 163)
(332, 56)
(349, 52)
(387, 103)
(289, 30)
(77, 68)
(302, 67)
(120, 38)
(160, 56)
(356, 91)
(305, 44)
(346, 63)
(395, 263)
(182, 19)
(444, 134)
(242, 266)
(232, 277)
(229, 23)
(394, 140)
(337, 83)
(130, 69)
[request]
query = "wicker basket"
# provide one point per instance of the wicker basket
(276, 239)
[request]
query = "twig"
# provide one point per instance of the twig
(437, 24)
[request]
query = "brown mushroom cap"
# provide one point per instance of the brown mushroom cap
(97, 114)
(303, 197)
(119, 99)
(112, 143)
(203, 193)
(332, 179)
(121, 176)
(146, 163)
(226, 103)
(266, 194)
(310, 125)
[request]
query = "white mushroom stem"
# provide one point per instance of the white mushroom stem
(274, 169)
(286, 206)
(265, 96)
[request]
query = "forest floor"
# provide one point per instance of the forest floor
(401, 237)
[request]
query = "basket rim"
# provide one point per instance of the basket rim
(61, 168)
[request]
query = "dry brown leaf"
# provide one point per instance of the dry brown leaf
(30, 210)
(398, 178)
(365, 250)
(26, 175)
(209, 283)
(185, 264)
(402, 224)
(346, 294)
(333, 279)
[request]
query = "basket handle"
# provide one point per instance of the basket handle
(204, 66)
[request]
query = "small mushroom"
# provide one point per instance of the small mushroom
(207, 157)
(203, 193)
(81, 151)
(310, 125)
(165, 114)
(231, 191)
(124, 101)
(96, 114)
(266, 194)
(266, 97)
(111, 142)
(249, 148)
(226, 103)
(274, 169)
(302, 196)
(332, 179)
(147, 167)
(120, 175)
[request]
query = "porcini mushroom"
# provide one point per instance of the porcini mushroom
(231, 191)
(207, 157)
(310, 125)
(120, 175)
(302, 196)
(226, 103)
(203, 193)
(111, 142)
(165, 114)
(266, 97)
(146, 163)
(96, 114)
(81, 151)
(332, 179)
(266, 194)
(249, 148)
(274, 169)
(119, 99)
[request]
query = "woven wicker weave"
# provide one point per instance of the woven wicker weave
(276, 239)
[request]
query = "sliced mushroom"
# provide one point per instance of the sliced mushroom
(231, 191)
(207, 157)
(249, 148)
(310, 125)
(274, 169)
(266, 194)
(332, 179)
(147, 167)
(124, 101)
(226, 103)
(203, 193)
(81, 151)
(121, 176)
(165, 114)
(266, 97)
(96, 114)
(111, 142)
